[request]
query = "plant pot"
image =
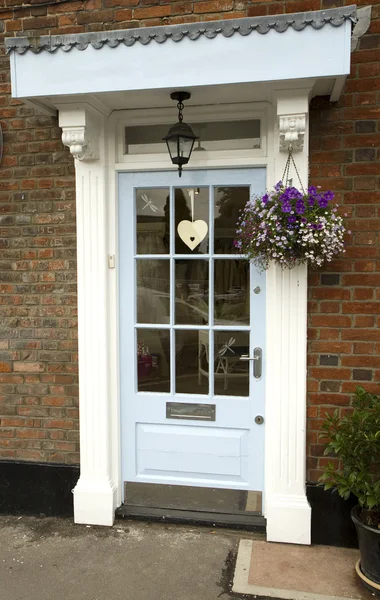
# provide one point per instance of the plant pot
(369, 545)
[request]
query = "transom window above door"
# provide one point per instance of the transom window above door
(218, 135)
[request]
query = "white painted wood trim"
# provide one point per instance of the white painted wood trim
(287, 510)
(98, 491)
(95, 495)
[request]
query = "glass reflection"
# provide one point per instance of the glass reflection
(192, 208)
(153, 291)
(152, 216)
(191, 290)
(153, 360)
(231, 292)
(192, 369)
(228, 202)
(231, 375)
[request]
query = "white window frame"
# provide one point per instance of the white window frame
(200, 114)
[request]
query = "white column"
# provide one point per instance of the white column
(83, 130)
(287, 510)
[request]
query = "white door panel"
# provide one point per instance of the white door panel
(186, 317)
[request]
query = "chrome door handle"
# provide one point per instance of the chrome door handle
(258, 361)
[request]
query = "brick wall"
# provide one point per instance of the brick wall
(38, 368)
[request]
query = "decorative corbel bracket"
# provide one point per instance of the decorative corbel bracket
(292, 132)
(84, 145)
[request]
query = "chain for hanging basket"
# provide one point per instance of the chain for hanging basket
(290, 160)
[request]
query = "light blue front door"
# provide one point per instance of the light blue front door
(190, 307)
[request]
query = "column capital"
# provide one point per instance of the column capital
(292, 109)
(292, 132)
(81, 130)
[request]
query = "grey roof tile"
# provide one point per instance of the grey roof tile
(145, 35)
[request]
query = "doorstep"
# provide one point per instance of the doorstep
(292, 572)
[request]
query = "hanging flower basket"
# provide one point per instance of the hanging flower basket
(290, 227)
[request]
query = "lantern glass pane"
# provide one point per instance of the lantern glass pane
(185, 147)
(172, 147)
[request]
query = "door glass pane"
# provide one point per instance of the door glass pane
(153, 360)
(152, 215)
(191, 220)
(191, 290)
(192, 366)
(228, 202)
(153, 291)
(231, 375)
(231, 292)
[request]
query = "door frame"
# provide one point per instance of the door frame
(99, 489)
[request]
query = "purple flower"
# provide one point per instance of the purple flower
(278, 186)
(329, 195)
(300, 206)
(322, 202)
(265, 198)
(292, 219)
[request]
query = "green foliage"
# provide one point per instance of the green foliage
(354, 439)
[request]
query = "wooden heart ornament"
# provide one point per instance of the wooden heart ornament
(192, 233)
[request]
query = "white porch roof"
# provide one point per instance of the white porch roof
(138, 67)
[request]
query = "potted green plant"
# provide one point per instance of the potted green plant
(354, 441)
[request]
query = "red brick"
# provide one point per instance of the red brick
(329, 373)
(329, 307)
(28, 367)
(362, 169)
(121, 3)
(360, 141)
(39, 23)
(213, 6)
(152, 12)
(13, 25)
(364, 265)
(361, 361)
(329, 400)
(331, 321)
(29, 434)
(361, 334)
(326, 293)
(58, 424)
(361, 280)
(364, 321)
(333, 347)
(350, 387)
(124, 14)
(363, 348)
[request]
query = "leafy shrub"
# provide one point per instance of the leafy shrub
(354, 439)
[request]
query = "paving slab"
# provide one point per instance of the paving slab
(293, 572)
(53, 559)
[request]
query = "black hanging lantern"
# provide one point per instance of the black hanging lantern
(180, 138)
